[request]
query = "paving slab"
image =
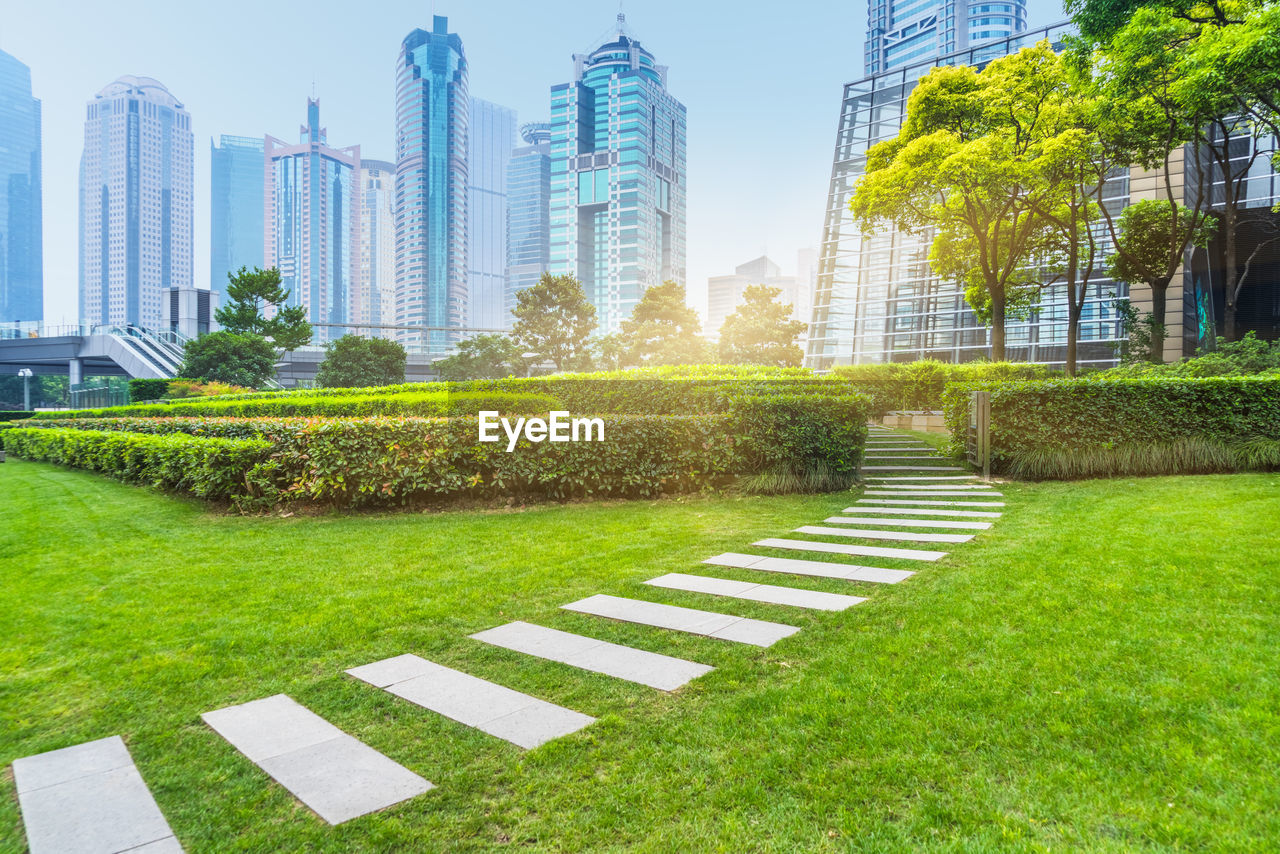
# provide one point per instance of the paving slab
(843, 549)
(869, 534)
(814, 568)
(925, 493)
(691, 620)
(979, 514)
(909, 523)
(899, 501)
(927, 477)
(813, 599)
(491, 708)
(334, 774)
(89, 798)
(943, 487)
(622, 662)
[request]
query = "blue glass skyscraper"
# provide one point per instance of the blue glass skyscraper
(432, 113)
(491, 136)
(21, 245)
(906, 32)
(235, 223)
(528, 213)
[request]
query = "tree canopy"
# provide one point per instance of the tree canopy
(356, 362)
(663, 330)
(228, 357)
(251, 295)
(761, 331)
(485, 357)
(554, 320)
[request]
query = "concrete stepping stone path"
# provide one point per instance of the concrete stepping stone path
(89, 798)
(909, 523)
(981, 514)
(768, 593)
(338, 776)
(491, 708)
(932, 503)
(925, 477)
(924, 493)
(691, 620)
(912, 468)
(908, 536)
(843, 549)
(814, 568)
(621, 662)
(941, 487)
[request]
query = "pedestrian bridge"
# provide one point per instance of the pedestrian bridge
(84, 351)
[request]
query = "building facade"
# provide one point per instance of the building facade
(236, 229)
(618, 177)
(136, 177)
(377, 247)
(906, 32)
(492, 136)
(432, 115)
(528, 213)
(21, 229)
(724, 293)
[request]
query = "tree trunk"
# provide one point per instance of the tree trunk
(1230, 275)
(997, 325)
(1074, 310)
(1159, 301)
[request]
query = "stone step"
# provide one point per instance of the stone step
(814, 568)
(621, 662)
(909, 523)
(843, 549)
(929, 477)
(941, 487)
(706, 623)
(914, 512)
(813, 599)
(912, 468)
(491, 708)
(89, 798)
(338, 776)
(933, 503)
(867, 534)
(925, 492)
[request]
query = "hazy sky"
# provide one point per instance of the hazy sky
(762, 83)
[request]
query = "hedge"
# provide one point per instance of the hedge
(14, 415)
(147, 389)
(916, 386)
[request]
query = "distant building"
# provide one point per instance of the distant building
(491, 136)
(724, 293)
(312, 224)
(432, 107)
(528, 213)
(905, 32)
(136, 178)
(190, 311)
(237, 181)
(21, 231)
(617, 177)
(377, 246)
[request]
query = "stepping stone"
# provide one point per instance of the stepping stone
(842, 549)
(518, 718)
(938, 486)
(691, 620)
(622, 662)
(89, 798)
(336, 775)
(908, 536)
(912, 468)
(815, 568)
(973, 513)
(897, 477)
(814, 599)
(925, 492)
(909, 523)
(934, 503)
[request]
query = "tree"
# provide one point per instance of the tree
(761, 331)
(485, 357)
(662, 330)
(250, 294)
(554, 319)
(243, 360)
(356, 362)
(608, 352)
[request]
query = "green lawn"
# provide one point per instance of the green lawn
(1098, 671)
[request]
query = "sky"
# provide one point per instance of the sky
(762, 84)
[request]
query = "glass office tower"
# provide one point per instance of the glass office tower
(617, 177)
(312, 224)
(21, 232)
(904, 32)
(136, 177)
(432, 113)
(237, 181)
(377, 247)
(492, 135)
(528, 213)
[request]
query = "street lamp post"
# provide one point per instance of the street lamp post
(25, 373)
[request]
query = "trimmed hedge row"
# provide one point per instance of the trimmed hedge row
(14, 415)
(921, 385)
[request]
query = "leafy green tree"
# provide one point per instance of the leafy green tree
(761, 331)
(608, 352)
(554, 320)
(663, 330)
(356, 362)
(485, 357)
(250, 294)
(228, 357)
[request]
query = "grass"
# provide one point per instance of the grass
(1096, 672)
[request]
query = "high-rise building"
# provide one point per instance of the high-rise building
(21, 242)
(237, 181)
(491, 136)
(312, 224)
(905, 32)
(377, 246)
(432, 107)
(724, 293)
(617, 177)
(528, 213)
(136, 178)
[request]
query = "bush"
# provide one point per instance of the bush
(242, 360)
(181, 389)
(801, 443)
(356, 361)
(917, 386)
(140, 390)
(1248, 356)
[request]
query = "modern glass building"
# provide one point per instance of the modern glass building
(377, 246)
(21, 231)
(237, 181)
(528, 213)
(136, 178)
(312, 224)
(905, 32)
(491, 137)
(432, 116)
(618, 177)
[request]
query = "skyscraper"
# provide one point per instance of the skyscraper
(237, 180)
(491, 136)
(312, 224)
(902, 32)
(528, 213)
(21, 243)
(724, 293)
(432, 107)
(617, 177)
(377, 246)
(136, 177)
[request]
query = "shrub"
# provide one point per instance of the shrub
(142, 389)
(182, 389)
(354, 360)
(916, 386)
(243, 360)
